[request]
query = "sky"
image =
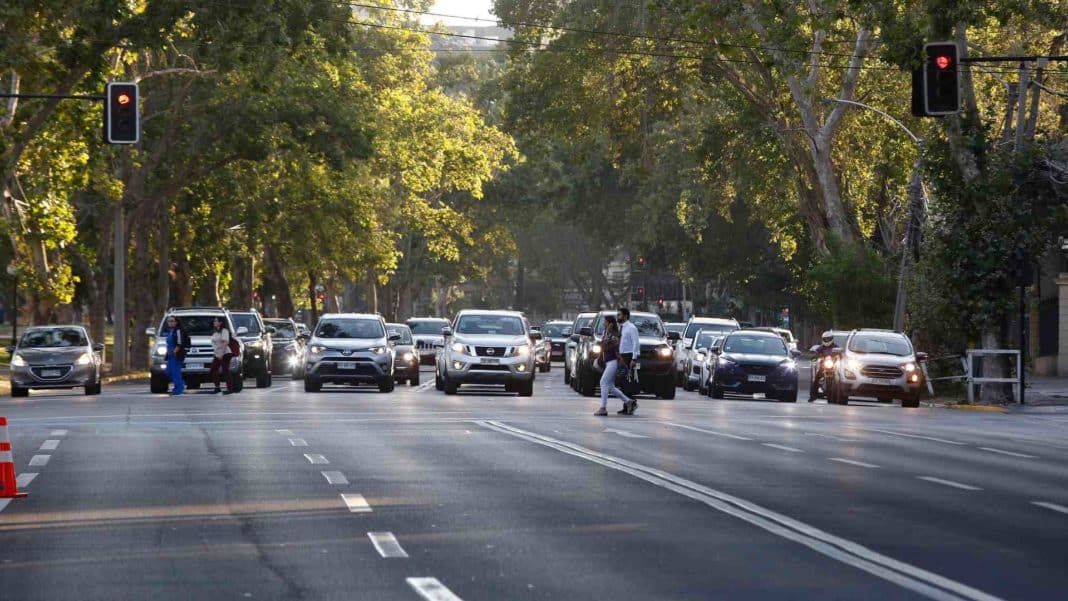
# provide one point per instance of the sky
(463, 8)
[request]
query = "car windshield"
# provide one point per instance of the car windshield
(675, 327)
(282, 328)
(54, 338)
(403, 331)
(554, 330)
(349, 328)
(883, 344)
(194, 325)
(501, 325)
(428, 326)
(694, 328)
(246, 320)
(581, 322)
(706, 339)
(754, 345)
(648, 325)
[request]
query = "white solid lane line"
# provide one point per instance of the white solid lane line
(316, 459)
(335, 478)
(949, 483)
(386, 544)
(23, 480)
(58, 433)
(1009, 453)
(356, 503)
(432, 590)
(285, 432)
(907, 576)
(1052, 506)
(852, 462)
(904, 435)
(4, 503)
(704, 431)
(782, 447)
(37, 460)
(298, 442)
(49, 445)
(623, 433)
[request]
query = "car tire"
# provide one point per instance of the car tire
(92, 389)
(157, 384)
(263, 377)
(911, 401)
(414, 381)
(386, 385)
(688, 386)
(525, 388)
(451, 388)
(586, 384)
(665, 388)
(567, 375)
(239, 383)
(439, 384)
(715, 391)
(789, 397)
(18, 391)
(312, 385)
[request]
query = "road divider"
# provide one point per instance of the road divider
(905, 575)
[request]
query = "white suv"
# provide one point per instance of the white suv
(718, 325)
(488, 347)
(880, 364)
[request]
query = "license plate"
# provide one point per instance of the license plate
(881, 382)
(759, 395)
(346, 365)
(51, 373)
(488, 361)
(758, 378)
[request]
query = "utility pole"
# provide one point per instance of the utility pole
(118, 361)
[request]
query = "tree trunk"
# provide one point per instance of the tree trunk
(313, 296)
(277, 283)
(241, 285)
(163, 277)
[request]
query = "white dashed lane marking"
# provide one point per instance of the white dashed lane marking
(335, 478)
(949, 483)
(1051, 506)
(298, 442)
(1009, 453)
(852, 462)
(386, 544)
(782, 447)
(285, 432)
(432, 590)
(316, 459)
(58, 433)
(49, 445)
(37, 460)
(704, 431)
(23, 480)
(904, 435)
(356, 503)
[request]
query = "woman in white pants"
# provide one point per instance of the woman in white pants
(610, 354)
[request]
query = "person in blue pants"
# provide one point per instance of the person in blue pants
(176, 349)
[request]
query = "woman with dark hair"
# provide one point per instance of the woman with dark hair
(220, 343)
(177, 345)
(610, 358)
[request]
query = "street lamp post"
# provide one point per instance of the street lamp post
(917, 202)
(14, 273)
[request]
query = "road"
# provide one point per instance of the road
(278, 494)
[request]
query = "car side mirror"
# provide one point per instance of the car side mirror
(587, 331)
(151, 332)
(242, 330)
(575, 338)
(673, 336)
(98, 347)
(567, 332)
(536, 335)
(701, 349)
(446, 332)
(795, 354)
(921, 357)
(394, 337)
(271, 330)
(688, 345)
(304, 336)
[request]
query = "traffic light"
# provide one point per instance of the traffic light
(935, 86)
(639, 294)
(641, 261)
(122, 115)
(660, 303)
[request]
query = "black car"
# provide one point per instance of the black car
(656, 358)
(287, 348)
(754, 363)
(406, 358)
(257, 340)
(556, 333)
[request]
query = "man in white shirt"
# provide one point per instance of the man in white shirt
(629, 350)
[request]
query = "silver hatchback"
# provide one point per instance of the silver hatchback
(55, 357)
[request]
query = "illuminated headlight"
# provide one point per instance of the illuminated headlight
(457, 347)
(378, 350)
(664, 351)
(521, 368)
(522, 350)
(854, 365)
(84, 359)
(457, 365)
(161, 350)
(408, 357)
(910, 367)
(789, 365)
(914, 378)
(701, 357)
(596, 349)
(18, 361)
(316, 349)
(828, 362)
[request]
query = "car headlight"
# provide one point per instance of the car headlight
(854, 365)
(910, 367)
(84, 359)
(316, 349)
(457, 347)
(789, 365)
(664, 351)
(522, 350)
(596, 349)
(701, 357)
(408, 357)
(161, 350)
(18, 361)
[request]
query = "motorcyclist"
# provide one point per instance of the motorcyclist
(823, 350)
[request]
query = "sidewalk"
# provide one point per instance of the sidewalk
(1047, 391)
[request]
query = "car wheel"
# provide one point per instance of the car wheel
(688, 386)
(666, 388)
(526, 388)
(92, 389)
(716, 391)
(386, 385)
(451, 388)
(17, 391)
(192, 384)
(263, 378)
(567, 375)
(586, 384)
(789, 397)
(157, 384)
(911, 401)
(885, 399)
(438, 382)
(239, 383)
(415, 380)
(312, 385)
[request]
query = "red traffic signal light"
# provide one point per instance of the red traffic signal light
(641, 291)
(943, 61)
(122, 116)
(660, 302)
(322, 296)
(641, 260)
(936, 89)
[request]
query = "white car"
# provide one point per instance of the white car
(695, 374)
(488, 347)
(426, 334)
(723, 325)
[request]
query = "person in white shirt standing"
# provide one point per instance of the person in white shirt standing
(629, 351)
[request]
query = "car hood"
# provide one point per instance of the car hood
(64, 354)
(651, 340)
(197, 340)
(878, 359)
(427, 336)
(404, 348)
(489, 340)
(349, 343)
(755, 359)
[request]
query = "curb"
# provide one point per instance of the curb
(980, 408)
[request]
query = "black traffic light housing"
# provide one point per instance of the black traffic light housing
(936, 84)
(122, 115)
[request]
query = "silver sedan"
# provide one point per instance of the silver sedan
(55, 357)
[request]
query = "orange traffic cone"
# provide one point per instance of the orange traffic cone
(8, 487)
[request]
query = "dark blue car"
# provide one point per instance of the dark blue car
(754, 363)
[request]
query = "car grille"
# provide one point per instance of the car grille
(558, 346)
(201, 350)
(425, 345)
(348, 359)
(750, 368)
(489, 368)
(490, 351)
(887, 372)
(648, 352)
(63, 370)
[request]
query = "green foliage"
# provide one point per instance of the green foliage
(848, 288)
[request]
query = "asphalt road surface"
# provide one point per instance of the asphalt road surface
(353, 494)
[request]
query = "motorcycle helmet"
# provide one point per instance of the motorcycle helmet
(828, 339)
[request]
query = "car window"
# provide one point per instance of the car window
(581, 322)
(349, 328)
(428, 326)
(53, 338)
(501, 325)
(194, 325)
(883, 344)
(706, 339)
(648, 325)
(675, 327)
(554, 330)
(754, 345)
(402, 331)
(282, 329)
(246, 320)
(694, 328)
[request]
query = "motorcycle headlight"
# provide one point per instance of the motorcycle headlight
(664, 351)
(84, 359)
(161, 350)
(18, 361)
(828, 362)
(910, 367)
